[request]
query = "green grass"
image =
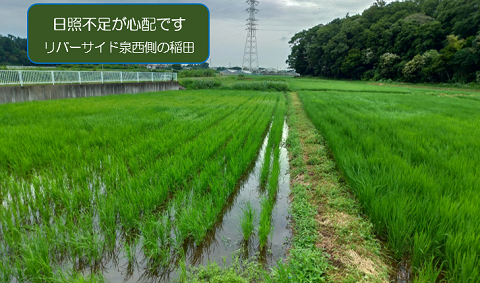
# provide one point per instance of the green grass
(412, 160)
(239, 271)
(83, 179)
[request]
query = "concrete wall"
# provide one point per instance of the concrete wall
(12, 94)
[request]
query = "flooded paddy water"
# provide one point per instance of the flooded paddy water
(403, 272)
(225, 240)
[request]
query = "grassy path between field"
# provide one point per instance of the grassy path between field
(349, 246)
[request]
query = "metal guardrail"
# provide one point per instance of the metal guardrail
(23, 77)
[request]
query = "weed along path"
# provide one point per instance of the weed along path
(350, 251)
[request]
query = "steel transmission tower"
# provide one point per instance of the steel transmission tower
(250, 55)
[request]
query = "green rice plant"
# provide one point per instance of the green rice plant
(130, 251)
(247, 221)
(265, 223)
(274, 139)
(35, 263)
(411, 160)
(75, 277)
(265, 172)
(183, 267)
(84, 243)
(92, 173)
(197, 214)
(6, 273)
(274, 175)
(108, 219)
(430, 272)
(150, 235)
(268, 203)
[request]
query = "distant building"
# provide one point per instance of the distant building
(229, 72)
(156, 66)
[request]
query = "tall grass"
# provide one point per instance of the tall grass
(413, 162)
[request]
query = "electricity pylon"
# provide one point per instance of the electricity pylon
(250, 55)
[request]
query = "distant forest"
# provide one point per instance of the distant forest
(412, 41)
(13, 51)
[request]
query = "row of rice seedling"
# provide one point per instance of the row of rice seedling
(198, 209)
(271, 171)
(85, 196)
(413, 162)
(201, 208)
(86, 181)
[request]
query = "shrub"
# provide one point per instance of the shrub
(262, 86)
(196, 73)
(201, 84)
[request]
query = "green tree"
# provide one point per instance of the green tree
(177, 67)
(436, 28)
(413, 69)
(434, 69)
(352, 66)
(387, 65)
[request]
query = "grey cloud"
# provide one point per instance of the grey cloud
(278, 21)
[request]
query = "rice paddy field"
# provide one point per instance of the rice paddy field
(143, 188)
(125, 187)
(412, 158)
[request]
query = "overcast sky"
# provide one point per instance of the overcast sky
(278, 21)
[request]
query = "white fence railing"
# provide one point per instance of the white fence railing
(23, 77)
(29, 67)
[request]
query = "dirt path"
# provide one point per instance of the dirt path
(347, 239)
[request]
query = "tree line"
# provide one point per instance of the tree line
(13, 51)
(413, 41)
